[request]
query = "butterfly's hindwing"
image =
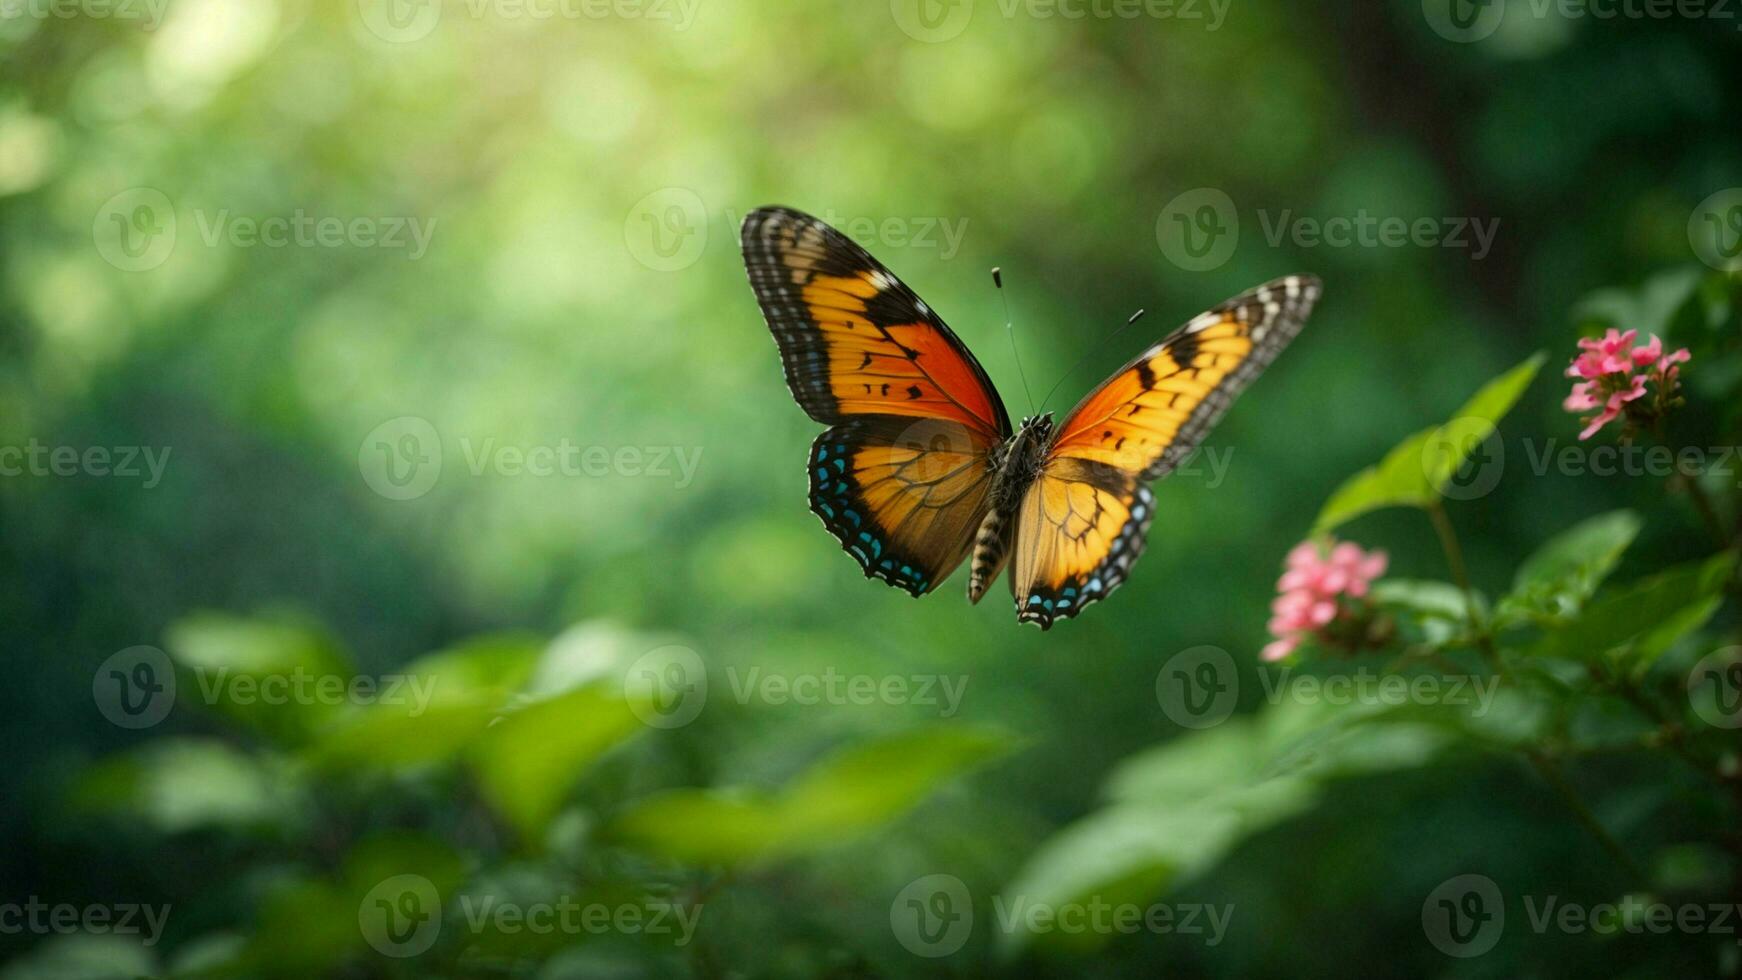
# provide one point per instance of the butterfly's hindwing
(1080, 529)
(903, 497)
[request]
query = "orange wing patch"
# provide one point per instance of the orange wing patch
(1152, 413)
(853, 339)
(1132, 419)
(889, 369)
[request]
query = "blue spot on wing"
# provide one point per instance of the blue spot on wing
(835, 498)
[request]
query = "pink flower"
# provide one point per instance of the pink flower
(1613, 371)
(1278, 649)
(1648, 353)
(1581, 399)
(1612, 408)
(1314, 589)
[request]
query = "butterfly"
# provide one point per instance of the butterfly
(920, 467)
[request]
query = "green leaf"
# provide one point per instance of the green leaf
(187, 783)
(528, 761)
(1186, 769)
(83, 956)
(1476, 421)
(1181, 807)
(430, 709)
(1440, 611)
(1657, 641)
(1650, 309)
(846, 795)
(249, 670)
(1563, 574)
(1630, 628)
(1399, 480)
(308, 926)
(1416, 472)
(1125, 854)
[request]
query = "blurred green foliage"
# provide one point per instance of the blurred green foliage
(544, 293)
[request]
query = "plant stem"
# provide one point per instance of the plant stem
(1669, 732)
(1552, 775)
(1690, 485)
(1545, 766)
(1442, 522)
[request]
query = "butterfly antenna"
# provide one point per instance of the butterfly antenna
(1009, 331)
(1134, 318)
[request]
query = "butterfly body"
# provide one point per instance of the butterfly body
(1015, 466)
(919, 468)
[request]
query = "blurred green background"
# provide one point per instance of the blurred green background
(531, 242)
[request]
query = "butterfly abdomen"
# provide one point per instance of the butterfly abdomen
(991, 551)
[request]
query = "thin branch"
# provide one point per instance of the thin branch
(1442, 522)
(1551, 774)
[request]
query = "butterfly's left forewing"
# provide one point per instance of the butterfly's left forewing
(901, 477)
(1082, 523)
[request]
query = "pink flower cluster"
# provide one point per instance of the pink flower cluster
(1613, 371)
(1313, 590)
